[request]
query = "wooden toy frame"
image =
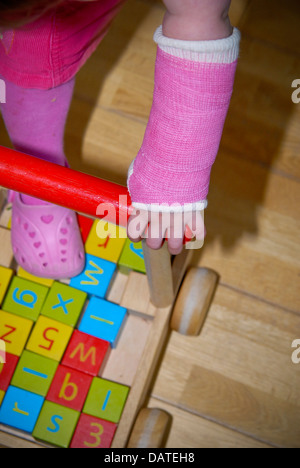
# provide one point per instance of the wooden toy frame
(177, 297)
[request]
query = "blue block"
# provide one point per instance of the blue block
(20, 409)
(96, 277)
(103, 320)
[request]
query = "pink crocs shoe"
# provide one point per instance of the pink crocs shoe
(46, 240)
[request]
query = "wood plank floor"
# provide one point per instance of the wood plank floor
(236, 384)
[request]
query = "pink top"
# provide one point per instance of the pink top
(49, 51)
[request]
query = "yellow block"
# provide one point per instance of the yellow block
(2, 393)
(5, 277)
(14, 331)
(44, 281)
(106, 241)
(49, 338)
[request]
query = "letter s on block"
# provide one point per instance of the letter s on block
(296, 93)
(296, 354)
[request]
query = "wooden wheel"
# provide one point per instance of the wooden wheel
(193, 301)
(150, 429)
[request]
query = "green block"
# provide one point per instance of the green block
(64, 304)
(34, 373)
(132, 257)
(25, 298)
(56, 424)
(106, 400)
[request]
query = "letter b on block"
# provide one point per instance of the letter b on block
(69, 388)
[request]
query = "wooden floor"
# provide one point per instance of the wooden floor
(236, 384)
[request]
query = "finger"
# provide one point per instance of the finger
(156, 232)
(137, 225)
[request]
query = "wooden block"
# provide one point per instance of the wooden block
(96, 277)
(6, 252)
(35, 279)
(5, 278)
(25, 298)
(34, 373)
(85, 225)
(106, 241)
(132, 257)
(117, 288)
(2, 393)
(106, 400)
(49, 338)
(69, 388)
(20, 409)
(103, 320)
(123, 361)
(136, 297)
(64, 304)
(14, 331)
(93, 432)
(86, 353)
(56, 424)
(7, 370)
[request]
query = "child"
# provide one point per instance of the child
(44, 44)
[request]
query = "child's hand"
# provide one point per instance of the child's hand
(177, 228)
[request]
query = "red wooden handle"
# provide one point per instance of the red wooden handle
(63, 186)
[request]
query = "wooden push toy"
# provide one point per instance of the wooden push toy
(77, 357)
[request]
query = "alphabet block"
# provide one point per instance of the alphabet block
(5, 278)
(103, 320)
(64, 304)
(2, 393)
(49, 338)
(56, 424)
(86, 353)
(106, 400)
(96, 277)
(69, 388)
(85, 225)
(7, 370)
(34, 373)
(6, 255)
(14, 331)
(132, 258)
(93, 433)
(20, 409)
(106, 241)
(123, 361)
(35, 279)
(25, 298)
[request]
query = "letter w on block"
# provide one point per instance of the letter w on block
(90, 274)
(2, 352)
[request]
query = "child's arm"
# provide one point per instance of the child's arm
(195, 67)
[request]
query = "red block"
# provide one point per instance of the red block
(69, 388)
(85, 225)
(7, 370)
(86, 353)
(92, 432)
